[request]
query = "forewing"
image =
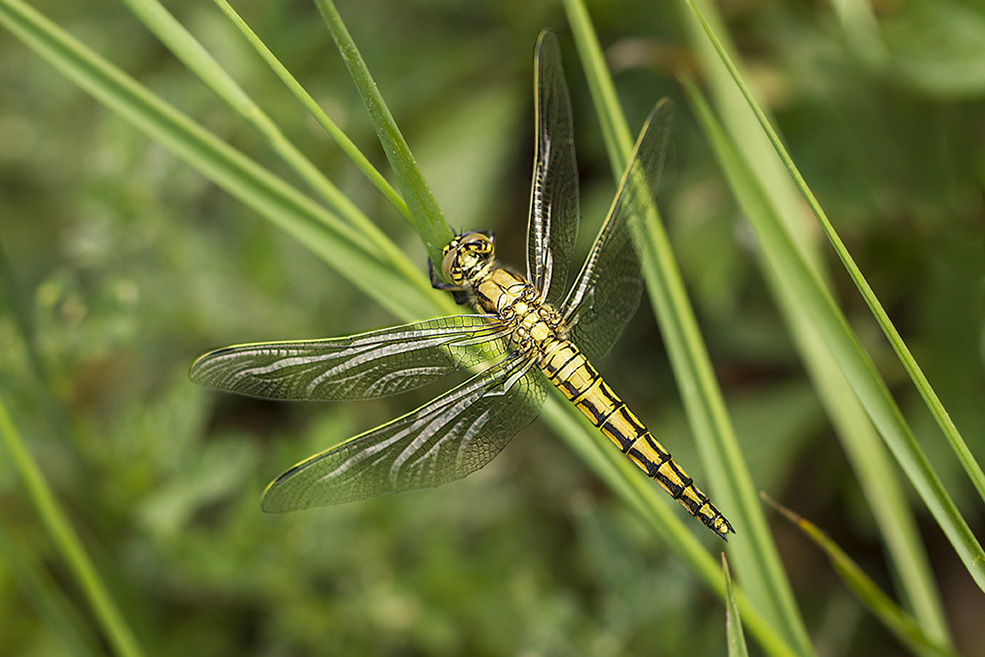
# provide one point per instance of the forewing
(363, 366)
(607, 291)
(553, 222)
(444, 440)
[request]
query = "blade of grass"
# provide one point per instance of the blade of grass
(315, 110)
(762, 185)
(193, 55)
(67, 542)
(733, 623)
(755, 552)
(41, 592)
(866, 452)
(336, 242)
(425, 214)
(873, 598)
(966, 458)
(793, 270)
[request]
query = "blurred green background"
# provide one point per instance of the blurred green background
(129, 264)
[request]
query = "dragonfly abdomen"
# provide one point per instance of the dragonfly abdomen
(570, 371)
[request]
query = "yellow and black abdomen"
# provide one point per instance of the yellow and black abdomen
(570, 371)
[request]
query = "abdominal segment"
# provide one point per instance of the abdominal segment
(570, 371)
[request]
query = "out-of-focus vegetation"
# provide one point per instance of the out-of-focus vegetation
(127, 264)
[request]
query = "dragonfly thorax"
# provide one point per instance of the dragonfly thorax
(466, 258)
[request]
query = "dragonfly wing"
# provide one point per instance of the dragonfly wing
(553, 222)
(444, 440)
(363, 366)
(607, 291)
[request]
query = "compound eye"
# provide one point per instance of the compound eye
(448, 267)
(478, 243)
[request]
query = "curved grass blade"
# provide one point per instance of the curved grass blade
(315, 110)
(873, 598)
(733, 621)
(933, 402)
(425, 214)
(341, 246)
(756, 554)
(191, 53)
(869, 456)
(794, 271)
(184, 46)
(41, 591)
(118, 633)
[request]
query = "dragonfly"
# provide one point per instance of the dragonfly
(529, 333)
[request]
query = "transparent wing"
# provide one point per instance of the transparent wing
(362, 366)
(609, 286)
(553, 223)
(444, 440)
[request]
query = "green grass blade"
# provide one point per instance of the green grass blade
(868, 455)
(315, 110)
(341, 246)
(43, 594)
(615, 132)
(762, 185)
(67, 542)
(191, 53)
(733, 623)
(873, 598)
(425, 214)
(794, 270)
(753, 550)
(933, 402)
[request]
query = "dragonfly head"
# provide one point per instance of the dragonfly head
(465, 256)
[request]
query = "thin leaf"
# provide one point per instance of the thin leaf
(733, 623)
(855, 363)
(868, 455)
(43, 593)
(755, 553)
(762, 185)
(315, 110)
(873, 598)
(193, 55)
(933, 402)
(425, 214)
(67, 542)
(344, 248)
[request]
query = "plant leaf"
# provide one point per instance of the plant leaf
(793, 270)
(425, 214)
(733, 621)
(873, 598)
